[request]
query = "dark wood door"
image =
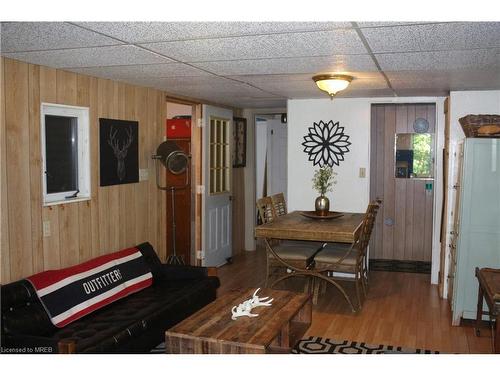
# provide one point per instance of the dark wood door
(182, 199)
(403, 230)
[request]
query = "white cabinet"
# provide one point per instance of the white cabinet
(478, 238)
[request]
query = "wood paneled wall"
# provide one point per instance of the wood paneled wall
(116, 216)
(405, 201)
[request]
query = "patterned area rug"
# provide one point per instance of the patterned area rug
(319, 345)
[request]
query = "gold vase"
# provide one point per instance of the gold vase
(322, 205)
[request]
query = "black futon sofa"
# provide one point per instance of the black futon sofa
(134, 324)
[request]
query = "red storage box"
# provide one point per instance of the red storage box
(178, 128)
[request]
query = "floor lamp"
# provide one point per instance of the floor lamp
(176, 161)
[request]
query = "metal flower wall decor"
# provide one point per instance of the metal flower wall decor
(326, 144)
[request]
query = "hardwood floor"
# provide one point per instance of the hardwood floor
(402, 309)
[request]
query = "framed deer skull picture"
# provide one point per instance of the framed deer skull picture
(119, 151)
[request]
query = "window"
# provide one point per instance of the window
(220, 165)
(65, 153)
(414, 155)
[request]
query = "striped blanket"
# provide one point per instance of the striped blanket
(70, 293)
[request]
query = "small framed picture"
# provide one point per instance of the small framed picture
(239, 142)
(118, 151)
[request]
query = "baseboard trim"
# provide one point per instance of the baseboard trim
(392, 265)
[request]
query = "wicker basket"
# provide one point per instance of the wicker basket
(481, 126)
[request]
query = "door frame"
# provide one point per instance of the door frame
(196, 176)
(250, 172)
(438, 165)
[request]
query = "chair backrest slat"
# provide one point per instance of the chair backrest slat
(279, 204)
(266, 209)
(367, 226)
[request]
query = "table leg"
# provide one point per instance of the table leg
(479, 313)
(304, 272)
(497, 336)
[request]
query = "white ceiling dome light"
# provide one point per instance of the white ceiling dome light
(332, 83)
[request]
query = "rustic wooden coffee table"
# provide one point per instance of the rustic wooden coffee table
(211, 330)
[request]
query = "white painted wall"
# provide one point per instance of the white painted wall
(463, 103)
(352, 193)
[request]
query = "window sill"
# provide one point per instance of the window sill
(66, 201)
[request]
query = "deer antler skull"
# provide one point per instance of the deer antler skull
(120, 150)
(245, 308)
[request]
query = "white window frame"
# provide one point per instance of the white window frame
(82, 115)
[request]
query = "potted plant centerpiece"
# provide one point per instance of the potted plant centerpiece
(323, 181)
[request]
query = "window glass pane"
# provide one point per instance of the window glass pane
(422, 146)
(414, 155)
(217, 181)
(212, 131)
(61, 153)
(212, 181)
(226, 181)
(219, 161)
(220, 130)
(218, 156)
(212, 156)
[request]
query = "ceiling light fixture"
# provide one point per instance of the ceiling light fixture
(332, 83)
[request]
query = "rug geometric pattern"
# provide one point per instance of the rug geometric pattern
(319, 345)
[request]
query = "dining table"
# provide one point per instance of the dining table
(343, 227)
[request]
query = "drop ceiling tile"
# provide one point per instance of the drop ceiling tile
(280, 103)
(31, 36)
(208, 87)
(311, 92)
(392, 23)
(147, 32)
(445, 80)
(89, 57)
(230, 90)
(264, 78)
(135, 72)
(237, 100)
(441, 60)
(433, 37)
(293, 89)
(366, 93)
(321, 43)
(180, 81)
(362, 80)
(422, 92)
(311, 65)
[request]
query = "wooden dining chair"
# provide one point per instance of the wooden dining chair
(298, 254)
(336, 259)
(279, 204)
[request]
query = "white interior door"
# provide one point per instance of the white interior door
(276, 157)
(260, 156)
(216, 224)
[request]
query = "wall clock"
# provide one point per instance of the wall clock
(421, 125)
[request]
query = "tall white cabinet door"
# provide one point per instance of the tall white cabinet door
(479, 234)
(217, 165)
